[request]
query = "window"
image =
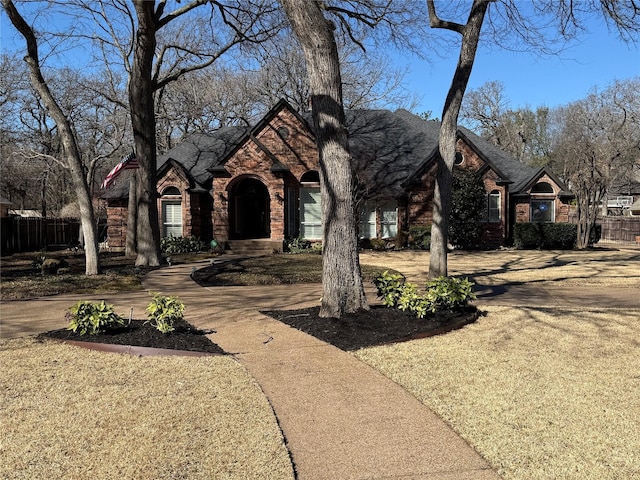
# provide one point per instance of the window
(542, 187)
(171, 212)
(367, 226)
(493, 206)
(310, 213)
(542, 210)
(172, 218)
(542, 203)
(389, 218)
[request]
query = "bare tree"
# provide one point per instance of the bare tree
(156, 46)
(69, 147)
(598, 146)
(470, 33)
(369, 79)
(524, 133)
(541, 27)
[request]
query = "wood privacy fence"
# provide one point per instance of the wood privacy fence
(617, 229)
(20, 234)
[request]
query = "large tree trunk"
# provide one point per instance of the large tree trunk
(132, 218)
(70, 151)
(144, 133)
(448, 132)
(342, 287)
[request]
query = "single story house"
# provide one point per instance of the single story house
(262, 182)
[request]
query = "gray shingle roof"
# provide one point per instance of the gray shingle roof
(387, 147)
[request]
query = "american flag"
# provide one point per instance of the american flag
(126, 163)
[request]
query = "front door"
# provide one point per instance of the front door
(250, 216)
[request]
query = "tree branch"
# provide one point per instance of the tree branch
(436, 22)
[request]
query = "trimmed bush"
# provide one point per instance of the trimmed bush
(87, 318)
(544, 236)
(163, 311)
(174, 245)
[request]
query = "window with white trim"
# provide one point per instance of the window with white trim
(310, 213)
(493, 206)
(384, 215)
(171, 218)
(389, 219)
(367, 223)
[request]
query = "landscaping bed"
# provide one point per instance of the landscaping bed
(377, 326)
(141, 333)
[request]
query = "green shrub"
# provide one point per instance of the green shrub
(298, 245)
(316, 247)
(163, 311)
(419, 237)
(388, 286)
(468, 209)
(174, 245)
(412, 301)
(93, 318)
(443, 293)
(544, 235)
(446, 293)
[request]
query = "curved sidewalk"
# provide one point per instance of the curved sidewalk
(341, 418)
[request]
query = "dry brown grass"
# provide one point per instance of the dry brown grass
(540, 392)
(74, 413)
(611, 268)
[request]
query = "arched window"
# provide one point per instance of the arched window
(171, 191)
(171, 212)
(312, 176)
(542, 187)
(493, 206)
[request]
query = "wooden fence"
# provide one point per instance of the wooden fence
(617, 229)
(21, 234)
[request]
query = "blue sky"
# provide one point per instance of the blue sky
(596, 60)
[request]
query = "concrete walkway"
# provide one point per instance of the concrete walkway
(341, 418)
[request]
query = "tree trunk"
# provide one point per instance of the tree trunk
(448, 136)
(342, 287)
(144, 133)
(70, 151)
(132, 218)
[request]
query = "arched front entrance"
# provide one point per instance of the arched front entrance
(249, 210)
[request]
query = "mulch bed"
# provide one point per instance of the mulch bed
(377, 326)
(139, 333)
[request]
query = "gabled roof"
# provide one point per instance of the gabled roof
(196, 154)
(525, 186)
(389, 150)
